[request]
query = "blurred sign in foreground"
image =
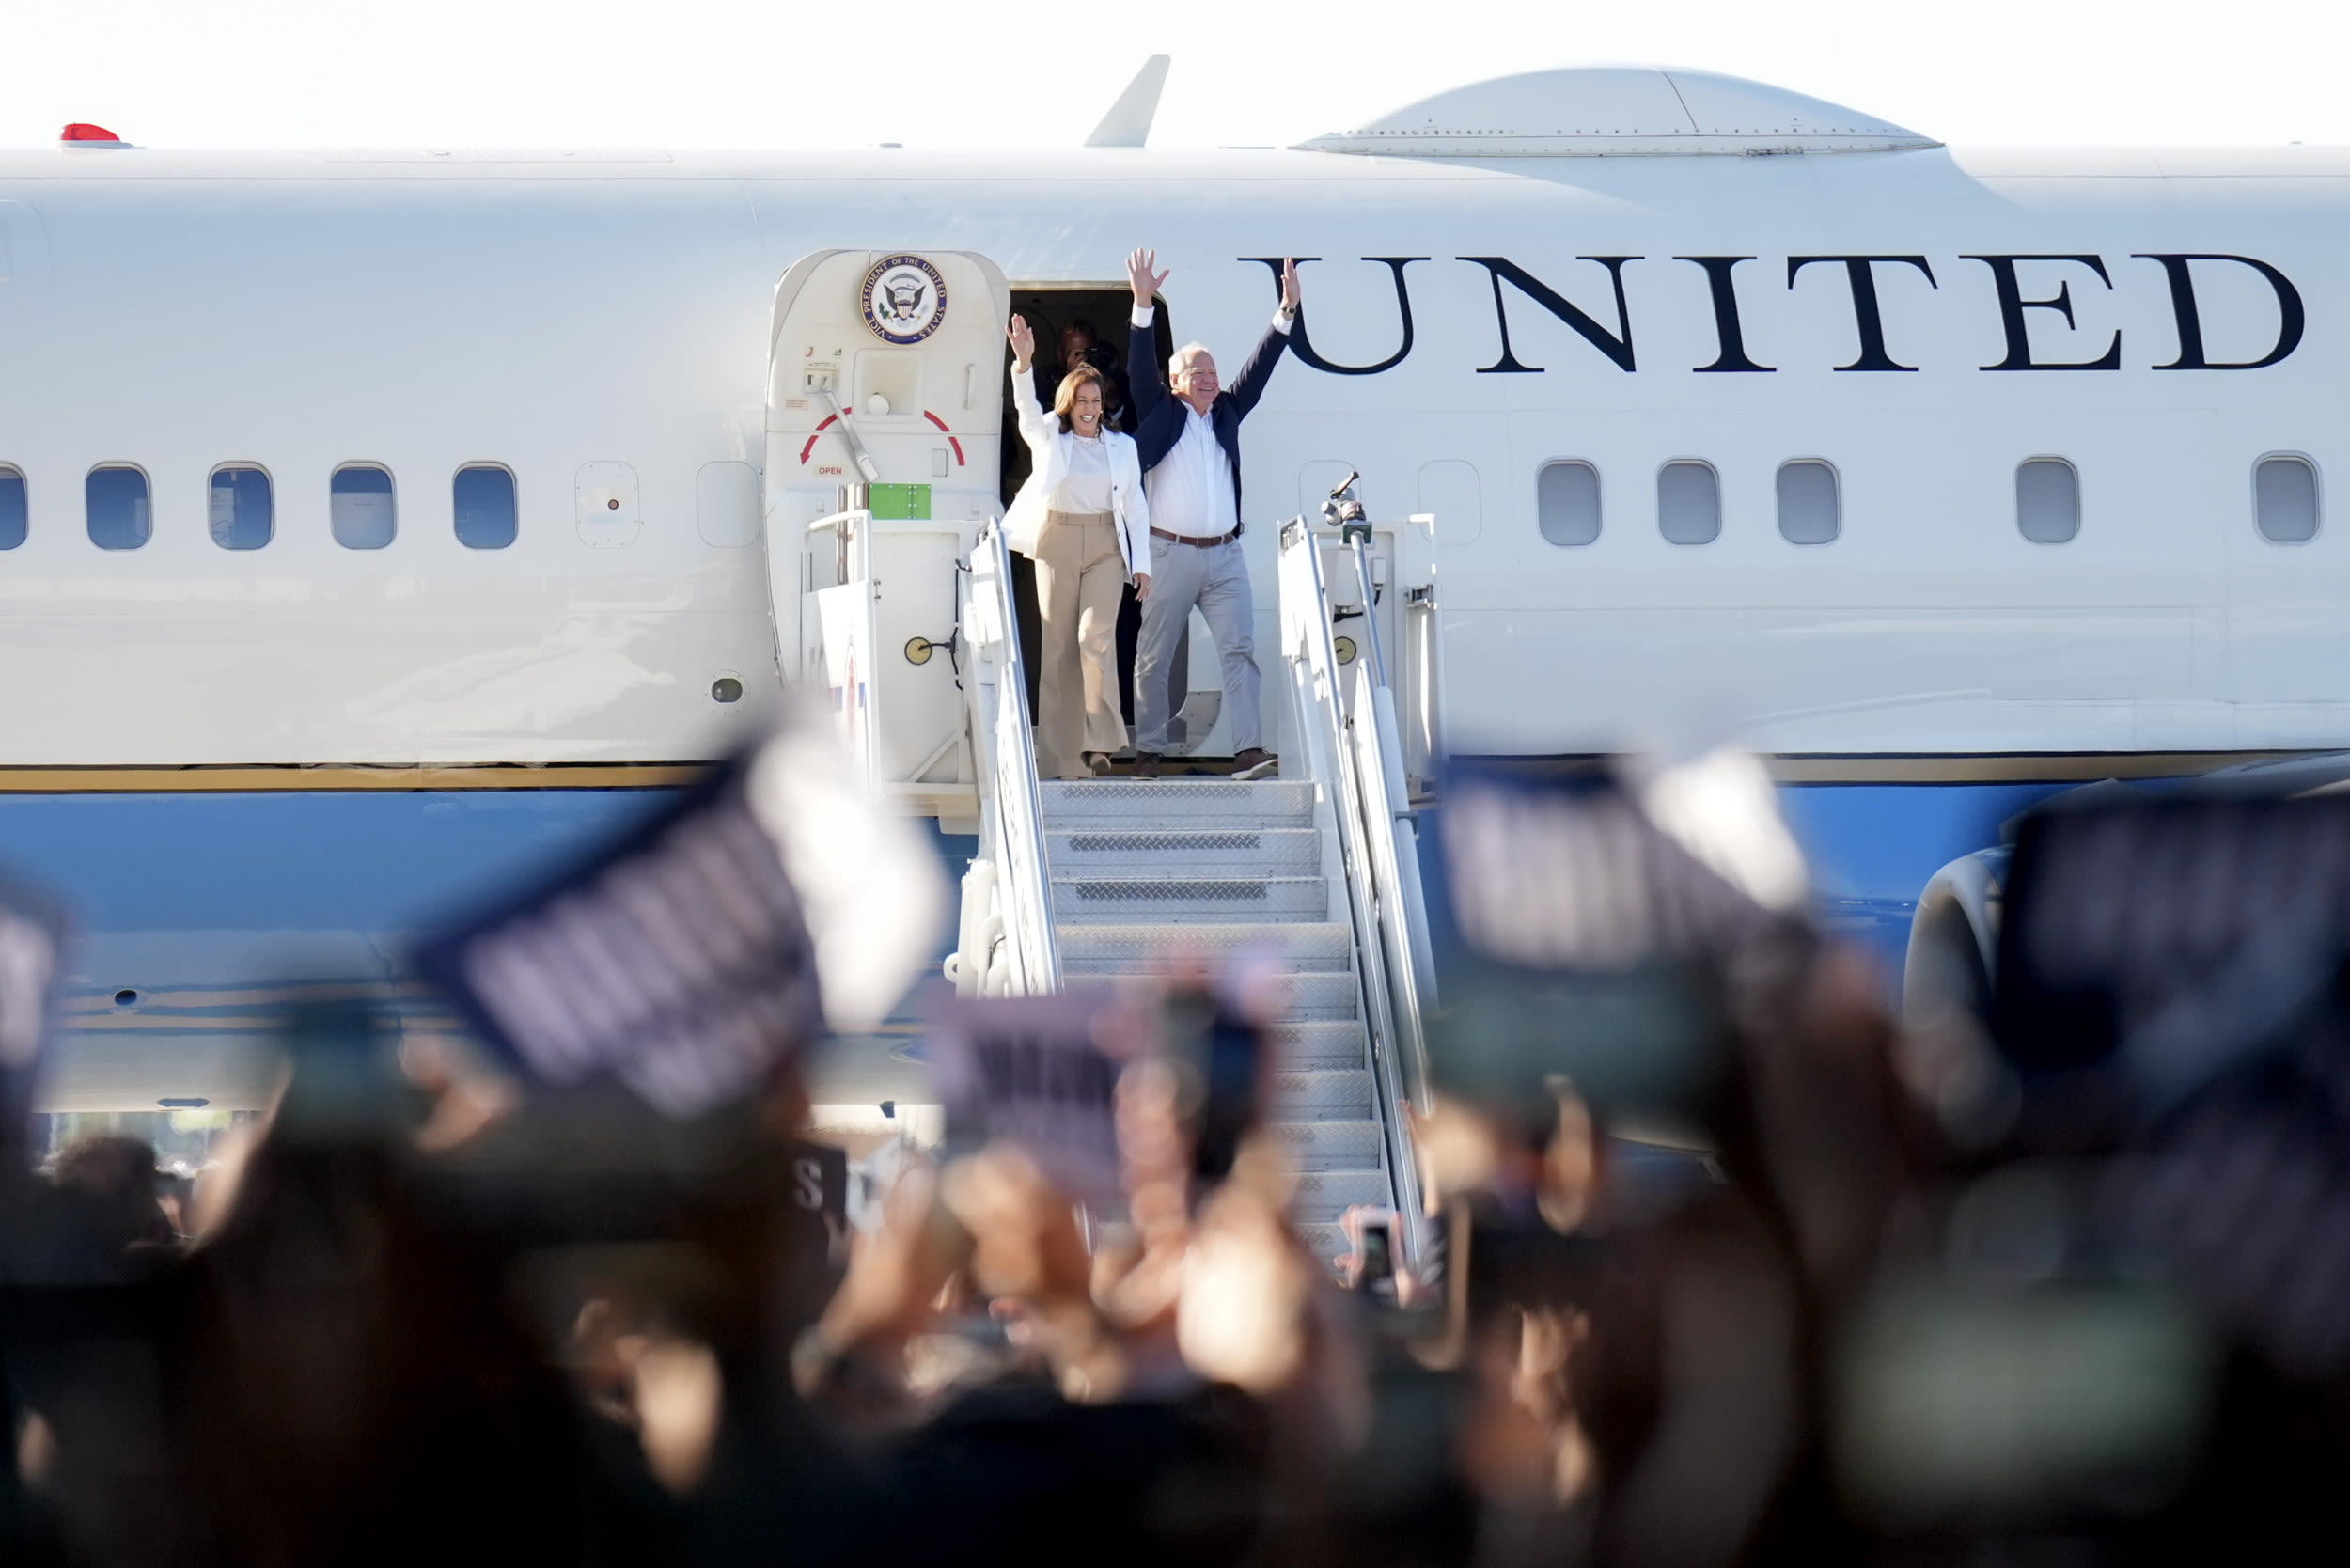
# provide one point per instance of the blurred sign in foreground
(32, 936)
(2178, 935)
(708, 947)
(1596, 921)
(1040, 1071)
(2172, 985)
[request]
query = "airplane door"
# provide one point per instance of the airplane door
(885, 385)
(884, 397)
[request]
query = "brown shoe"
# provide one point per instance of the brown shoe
(1146, 764)
(1256, 762)
(1098, 763)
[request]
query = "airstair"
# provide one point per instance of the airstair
(1146, 873)
(1110, 880)
(891, 585)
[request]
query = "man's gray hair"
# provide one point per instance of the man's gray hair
(1195, 346)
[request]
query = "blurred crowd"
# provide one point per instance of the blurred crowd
(1719, 1264)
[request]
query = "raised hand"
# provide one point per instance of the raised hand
(1144, 279)
(1022, 344)
(1290, 296)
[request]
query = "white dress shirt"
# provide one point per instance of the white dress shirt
(1191, 488)
(1085, 491)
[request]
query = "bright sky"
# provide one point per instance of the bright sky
(775, 74)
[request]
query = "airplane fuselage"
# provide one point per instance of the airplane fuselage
(1922, 322)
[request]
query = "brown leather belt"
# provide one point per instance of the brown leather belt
(1203, 543)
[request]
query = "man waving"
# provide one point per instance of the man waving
(1190, 451)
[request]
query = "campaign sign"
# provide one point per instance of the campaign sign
(2183, 957)
(1591, 941)
(1599, 872)
(1040, 1071)
(32, 938)
(2175, 934)
(677, 960)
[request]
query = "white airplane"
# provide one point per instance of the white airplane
(410, 477)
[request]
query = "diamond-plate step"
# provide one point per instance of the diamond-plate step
(1327, 1145)
(1189, 852)
(1321, 1196)
(1325, 947)
(1303, 1097)
(1338, 1044)
(1314, 998)
(1127, 807)
(1130, 900)
(1319, 999)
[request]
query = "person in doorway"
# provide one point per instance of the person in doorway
(1084, 519)
(1190, 447)
(1081, 345)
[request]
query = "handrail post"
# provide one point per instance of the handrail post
(1357, 536)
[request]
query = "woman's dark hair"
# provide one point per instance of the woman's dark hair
(1066, 399)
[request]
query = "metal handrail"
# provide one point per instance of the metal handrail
(1012, 808)
(842, 526)
(1310, 656)
(1392, 828)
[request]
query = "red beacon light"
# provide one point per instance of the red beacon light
(89, 136)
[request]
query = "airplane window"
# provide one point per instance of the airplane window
(359, 506)
(2047, 500)
(115, 501)
(241, 508)
(486, 513)
(1809, 512)
(12, 509)
(1688, 503)
(2284, 499)
(1566, 502)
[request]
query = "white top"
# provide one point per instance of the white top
(1054, 457)
(1085, 491)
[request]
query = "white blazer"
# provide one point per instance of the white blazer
(1049, 454)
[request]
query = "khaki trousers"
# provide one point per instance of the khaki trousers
(1080, 577)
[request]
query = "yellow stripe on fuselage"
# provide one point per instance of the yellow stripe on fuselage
(266, 777)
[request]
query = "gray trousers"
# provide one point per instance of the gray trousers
(1216, 580)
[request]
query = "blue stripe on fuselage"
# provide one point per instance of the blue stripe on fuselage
(1874, 847)
(163, 879)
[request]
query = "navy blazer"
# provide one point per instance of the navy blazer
(1159, 413)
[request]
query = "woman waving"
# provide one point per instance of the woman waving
(1082, 518)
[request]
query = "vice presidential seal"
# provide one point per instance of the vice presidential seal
(904, 298)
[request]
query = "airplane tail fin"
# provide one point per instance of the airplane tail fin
(1128, 123)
